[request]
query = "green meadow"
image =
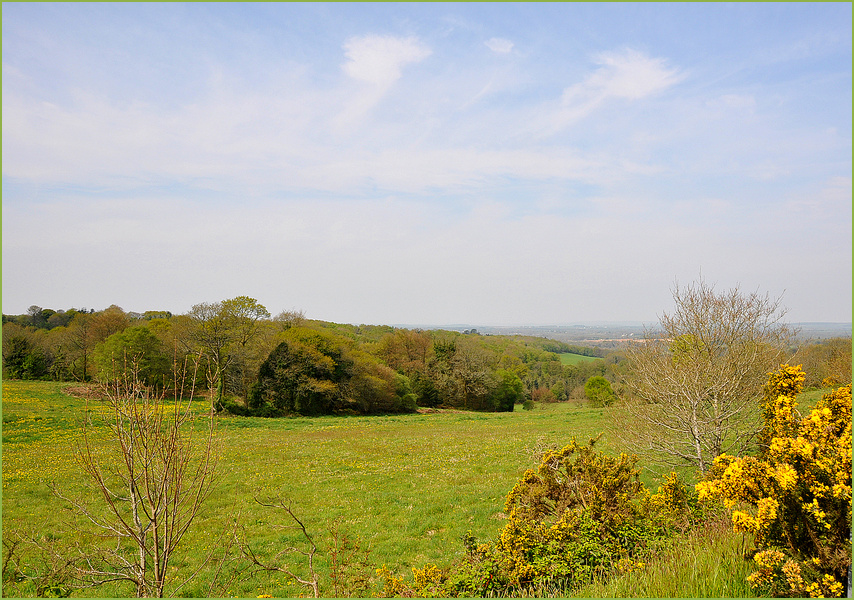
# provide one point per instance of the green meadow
(569, 358)
(407, 487)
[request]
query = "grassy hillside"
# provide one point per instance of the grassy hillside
(407, 486)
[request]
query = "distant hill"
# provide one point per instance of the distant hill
(823, 330)
(593, 334)
(607, 333)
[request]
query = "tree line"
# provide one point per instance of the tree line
(259, 364)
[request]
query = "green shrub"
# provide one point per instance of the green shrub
(508, 390)
(598, 391)
(23, 360)
(580, 515)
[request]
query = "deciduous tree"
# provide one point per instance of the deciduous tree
(80, 339)
(697, 383)
(223, 330)
(134, 346)
(107, 322)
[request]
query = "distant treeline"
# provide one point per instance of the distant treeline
(288, 364)
(257, 364)
(564, 348)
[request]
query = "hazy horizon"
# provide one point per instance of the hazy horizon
(427, 163)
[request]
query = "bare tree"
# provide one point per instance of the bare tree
(695, 385)
(152, 474)
(80, 338)
(290, 318)
(36, 560)
(311, 580)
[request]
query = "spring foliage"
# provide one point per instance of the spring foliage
(795, 497)
(311, 373)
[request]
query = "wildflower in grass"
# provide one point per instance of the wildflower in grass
(627, 565)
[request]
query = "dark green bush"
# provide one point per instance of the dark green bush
(316, 373)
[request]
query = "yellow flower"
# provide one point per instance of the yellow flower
(741, 522)
(767, 510)
(768, 559)
(792, 571)
(786, 476)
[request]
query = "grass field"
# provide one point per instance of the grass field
(407, 486)
(568, 358)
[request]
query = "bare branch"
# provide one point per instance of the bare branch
(155, 485)
(697, 383)
(312, 580)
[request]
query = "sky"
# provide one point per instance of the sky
(435, 163)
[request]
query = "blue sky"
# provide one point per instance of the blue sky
(476, 163)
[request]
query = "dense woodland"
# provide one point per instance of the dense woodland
(262, 365)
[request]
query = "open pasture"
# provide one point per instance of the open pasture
(408, 486)
(569, 358)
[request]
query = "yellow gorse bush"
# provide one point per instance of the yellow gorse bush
(795, 497)
(426, 583)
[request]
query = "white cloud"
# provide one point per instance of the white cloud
(379, 59)
(262, 144)
(626, 74)
(828, 203)
(499, 45)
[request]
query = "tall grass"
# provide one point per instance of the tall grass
(706, 563)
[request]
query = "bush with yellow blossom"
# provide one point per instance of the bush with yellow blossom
(428, 582)
(795, 496)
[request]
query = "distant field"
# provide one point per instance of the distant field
(567, 358)
(410, 486)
